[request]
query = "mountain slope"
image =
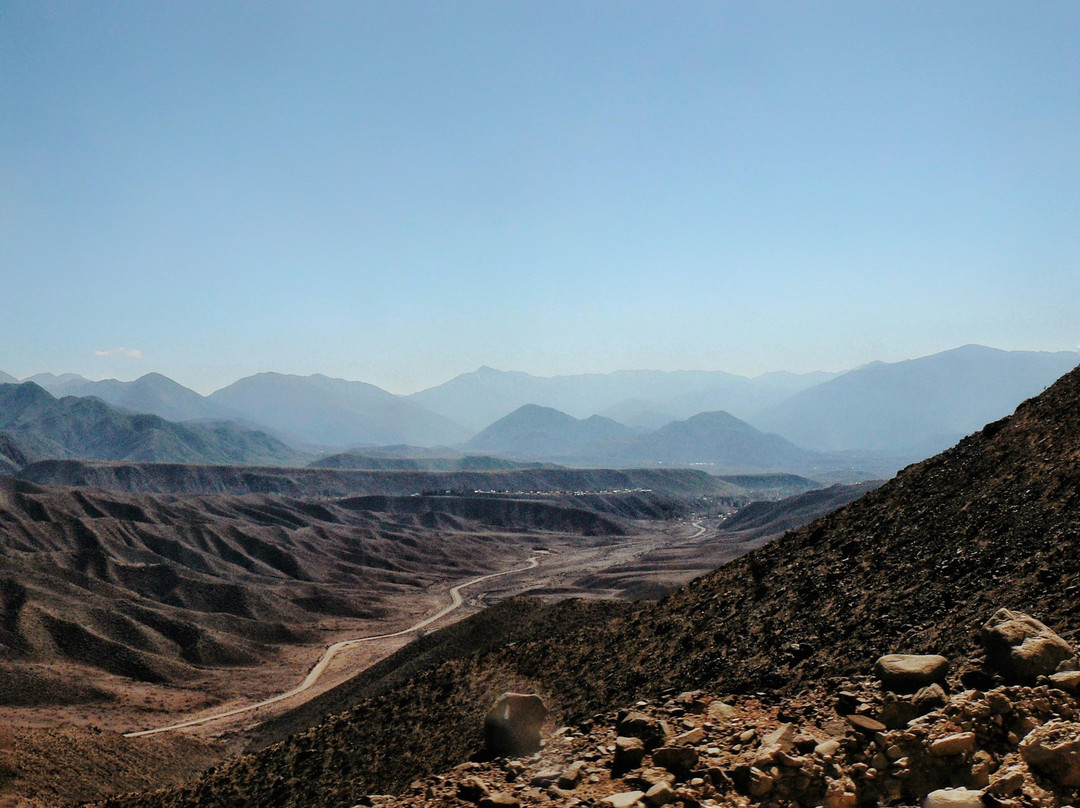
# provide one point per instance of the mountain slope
(318, 410)
(12, 456)
(720, 439)
(910, 567)
(538, 432)
(715, 439)
(154, 394)
(88, 428)
(919, 406)
(58, 385)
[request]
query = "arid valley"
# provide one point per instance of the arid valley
(539, 404)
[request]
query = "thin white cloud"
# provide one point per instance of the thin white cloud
(130, 353)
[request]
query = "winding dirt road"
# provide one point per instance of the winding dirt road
(456, 600)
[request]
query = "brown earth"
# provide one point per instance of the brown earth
(75, 550)
(911, 567)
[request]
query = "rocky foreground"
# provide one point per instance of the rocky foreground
(1006, 733)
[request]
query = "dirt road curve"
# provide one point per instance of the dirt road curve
(316, 672)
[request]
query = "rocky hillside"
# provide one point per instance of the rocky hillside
(914, 567)
(861, 741)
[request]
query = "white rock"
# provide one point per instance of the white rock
(626, 799)
(953, 798)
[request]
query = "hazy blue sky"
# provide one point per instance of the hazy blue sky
(399, 192)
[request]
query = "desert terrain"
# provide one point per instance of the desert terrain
(127, 613)
(757, 684)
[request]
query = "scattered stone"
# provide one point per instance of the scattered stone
(570, 778)
(865, 723)
(660, 794)
(929, 698)
(653, 775)
(512, 726)
(1054, 751)
(840, 794)
(626, 799)
(960, 743)
(759, 783)
(795, 750)
(691, 737)
(545, 777)
(827, 748)
(640, 725)
(629, 752)
(906, 673)
(1020, 647)
(500, 800)
(781, 739)
(1007, 781)
(472, 790)
(953, 798)
(721, 712)
(676, 759)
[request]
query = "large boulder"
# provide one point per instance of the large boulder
(512, 725)
(907, 673)
(1053, 750)
(1020, 647)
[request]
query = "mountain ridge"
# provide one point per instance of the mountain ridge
(324, 411)
(916, 406)
(44, 426)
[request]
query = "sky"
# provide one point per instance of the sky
(401, 192)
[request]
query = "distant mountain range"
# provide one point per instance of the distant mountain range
(318, 410)
(717, 440)
(153, 393)
(479, 398)
(34, 424)
(903, 410)
(918, 407)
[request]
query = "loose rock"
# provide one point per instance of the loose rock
(1054, 750)
(626, 799)
(906, 673)
(959, 743)
(953, 798)
(629, 752)
(676, 759)
(1022, 648)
